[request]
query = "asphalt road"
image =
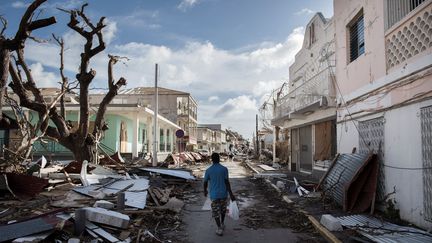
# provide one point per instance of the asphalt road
(200, 227)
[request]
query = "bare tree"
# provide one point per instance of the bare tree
(80, 141)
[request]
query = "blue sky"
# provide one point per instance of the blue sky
(227, 53)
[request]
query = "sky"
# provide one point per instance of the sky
(229, 54)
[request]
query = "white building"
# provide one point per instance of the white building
(308, 109)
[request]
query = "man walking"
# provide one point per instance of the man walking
(217, 174)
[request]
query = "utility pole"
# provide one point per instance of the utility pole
(155, 123)
(257, 139)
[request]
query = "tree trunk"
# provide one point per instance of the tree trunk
(4, 75)
(81, 151)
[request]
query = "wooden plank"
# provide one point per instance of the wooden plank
(323, 231)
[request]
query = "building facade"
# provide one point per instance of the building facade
(384, 77)
(212, 138)
(308, 109)
(177, 106)
(130, 128)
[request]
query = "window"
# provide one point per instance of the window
(161, 141)
(356, 37)
(168, 135)
(311, 34)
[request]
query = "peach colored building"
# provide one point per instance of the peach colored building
(384, 77)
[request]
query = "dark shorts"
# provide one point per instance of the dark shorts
(219, 207)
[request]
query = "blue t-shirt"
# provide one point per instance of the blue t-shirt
(217, 174)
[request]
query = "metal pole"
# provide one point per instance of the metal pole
(155, 123)
(257, 139)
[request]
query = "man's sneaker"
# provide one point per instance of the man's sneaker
(219, 231)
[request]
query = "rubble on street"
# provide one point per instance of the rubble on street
(114, 201)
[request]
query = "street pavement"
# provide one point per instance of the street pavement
(200, 227)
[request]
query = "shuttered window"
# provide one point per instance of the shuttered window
(356, 37)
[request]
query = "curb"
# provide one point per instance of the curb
(330, 237)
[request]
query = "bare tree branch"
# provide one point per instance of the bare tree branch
(112, 92)
(64, 83)
(4, 23)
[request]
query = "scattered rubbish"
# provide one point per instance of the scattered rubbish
(381, 231)
(174, 204)
(135, 191)
(280, 185)
(104, 204)
(41, 223)
(22, 186)
(330, 222)
(267, 175)
(34, 238)
(352, 181)
(300, 190)
(267, 168)
(107, 217)
(187, 175)
(98, 231)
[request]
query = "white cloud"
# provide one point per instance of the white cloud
(20, 4)
(186, 4)
(238, 79)
(42, 77)
(305, 11)
(213, 98)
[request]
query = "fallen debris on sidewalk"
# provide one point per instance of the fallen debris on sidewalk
(351, 181)
(381, 231)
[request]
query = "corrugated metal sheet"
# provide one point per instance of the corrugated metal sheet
(384, 232)
(346, 166)
(172, 172)
(136, 196)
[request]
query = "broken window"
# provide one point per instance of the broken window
(356, 37)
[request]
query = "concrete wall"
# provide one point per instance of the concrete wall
(369, 66)
(403, 149)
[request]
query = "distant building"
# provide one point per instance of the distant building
(212, 138)
(177, 106)
(130, 127)
(384, 73)
(307, 112)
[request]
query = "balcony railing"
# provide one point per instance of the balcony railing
(318, 88)
(410, 37)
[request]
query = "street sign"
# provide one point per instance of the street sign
(179, 133)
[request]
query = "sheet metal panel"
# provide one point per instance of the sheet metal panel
(342, 173)
(176, 173)
(136, 196)
(384, 232)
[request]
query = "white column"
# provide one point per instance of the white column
(135, 131)
(149, 128)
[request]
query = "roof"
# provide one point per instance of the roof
(150, 90)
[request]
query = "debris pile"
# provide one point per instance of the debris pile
(114, 201)
(186, 158)
(351, 181)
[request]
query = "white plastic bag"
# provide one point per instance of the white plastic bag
(233, 210)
